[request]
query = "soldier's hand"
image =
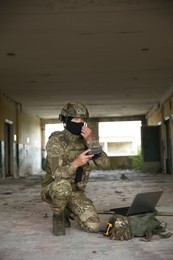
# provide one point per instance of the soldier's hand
(82, 159)
(86, 133)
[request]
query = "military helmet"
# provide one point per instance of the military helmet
(74, 110)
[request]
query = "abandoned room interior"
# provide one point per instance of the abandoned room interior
(115, 57)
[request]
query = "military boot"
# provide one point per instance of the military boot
(58, 224)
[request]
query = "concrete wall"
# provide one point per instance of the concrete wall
(26, 139)
(7, 111)
(162, 114)
(29, 145)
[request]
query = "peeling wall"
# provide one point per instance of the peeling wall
(26, 146)
(162, 115)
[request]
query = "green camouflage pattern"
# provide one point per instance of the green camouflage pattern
(146, 225)
(74, 110)
(121, 228)
(141, 225)
(59, 188)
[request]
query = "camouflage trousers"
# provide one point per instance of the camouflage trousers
(61, 194)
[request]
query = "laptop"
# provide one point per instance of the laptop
(142, 203)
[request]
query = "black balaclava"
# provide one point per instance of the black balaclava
(73, 127)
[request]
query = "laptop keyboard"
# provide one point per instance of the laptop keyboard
(122, 211)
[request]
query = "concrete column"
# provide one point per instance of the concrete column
(93, 124)
(43, 151)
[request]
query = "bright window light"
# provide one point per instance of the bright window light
(121, 138)
(50, 128)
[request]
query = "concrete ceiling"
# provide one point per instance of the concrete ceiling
(114, 56)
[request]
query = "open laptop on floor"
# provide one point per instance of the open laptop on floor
(142, 203)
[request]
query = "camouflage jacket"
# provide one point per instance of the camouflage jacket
(62, 148)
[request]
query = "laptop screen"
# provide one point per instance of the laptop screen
(142, 203)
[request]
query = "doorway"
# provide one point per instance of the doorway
(168, 159)
(151, 151)
(8, 148)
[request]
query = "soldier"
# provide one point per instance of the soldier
(68, 169)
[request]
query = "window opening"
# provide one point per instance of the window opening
(50, 128)
(120, 138)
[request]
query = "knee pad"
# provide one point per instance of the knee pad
(93, 227)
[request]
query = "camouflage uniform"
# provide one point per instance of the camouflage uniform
(59, 188)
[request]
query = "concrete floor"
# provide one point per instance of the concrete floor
(26, 221)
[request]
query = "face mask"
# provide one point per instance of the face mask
(74, 128)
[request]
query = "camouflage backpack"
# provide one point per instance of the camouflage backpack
(141, 225)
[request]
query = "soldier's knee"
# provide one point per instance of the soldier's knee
(92, 227)
(60, 188)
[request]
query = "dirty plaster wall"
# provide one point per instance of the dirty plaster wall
(7, 115)
(162, 115)
(29, 149)
(26, 138)
(7, 112)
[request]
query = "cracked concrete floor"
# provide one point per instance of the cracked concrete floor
(26, 221)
